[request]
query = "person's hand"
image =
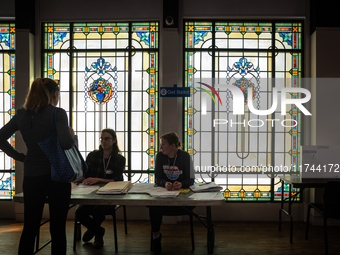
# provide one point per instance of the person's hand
(168, 186)
(90, 181)
(79, 181)
(177, 185)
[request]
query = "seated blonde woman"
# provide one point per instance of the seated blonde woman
(173, 171)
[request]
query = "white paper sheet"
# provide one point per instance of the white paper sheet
(204, 195)
(149, 188)
(83, 189)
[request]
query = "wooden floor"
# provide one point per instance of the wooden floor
(231, 238)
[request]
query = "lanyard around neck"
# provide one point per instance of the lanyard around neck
(107, 164)
(172, 168)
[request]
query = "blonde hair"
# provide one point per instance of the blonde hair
(172, 138)
(39, 94)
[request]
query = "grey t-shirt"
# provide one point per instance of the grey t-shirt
(35, 127)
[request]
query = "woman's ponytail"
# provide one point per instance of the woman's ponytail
(39, 94)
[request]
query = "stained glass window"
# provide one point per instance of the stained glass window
(7, 104)
(108, 76)
(242, 54)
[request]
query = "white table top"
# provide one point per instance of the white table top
(93, 198)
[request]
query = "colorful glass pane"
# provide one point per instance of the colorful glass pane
(7, 36)
(7, 105)
(56, 35)
(145, 35)
(101, 35)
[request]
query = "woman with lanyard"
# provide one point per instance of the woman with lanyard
(174, 171)
(105, 165)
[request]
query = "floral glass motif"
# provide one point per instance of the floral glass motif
(243, 68)
(4, 38)
(144, 37)
(244, 84)
(100, 89)
(58, 37)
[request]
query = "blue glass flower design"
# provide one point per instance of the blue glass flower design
(287, 37)
(144, 37)
(5, 38)
(58, 37)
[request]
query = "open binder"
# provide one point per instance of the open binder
(120, 187)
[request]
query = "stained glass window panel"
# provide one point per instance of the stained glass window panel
(246, 55)
(109, 78)
(56, 36)
(145, 35)
(7, 104)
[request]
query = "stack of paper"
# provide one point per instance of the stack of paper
(206, 187)
(120, 187)
(163, 192)
(149, 188)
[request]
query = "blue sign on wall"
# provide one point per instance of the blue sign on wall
(174, 91)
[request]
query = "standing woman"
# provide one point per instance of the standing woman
(104, 165)
(34, 122)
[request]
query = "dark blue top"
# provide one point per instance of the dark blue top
(96, 169)
(35, 127)
(169, 170)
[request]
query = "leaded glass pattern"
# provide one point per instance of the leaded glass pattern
(108, 76)
(246, 54)
(7, 104)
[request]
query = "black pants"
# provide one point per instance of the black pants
(98, 213)
(156, 214)
(36, 190)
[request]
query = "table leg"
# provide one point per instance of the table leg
(210, 233)
(289, 213)
(37, 247)
(282, 201)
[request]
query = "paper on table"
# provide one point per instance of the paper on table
(162, 192)
(117, 187)
(82, 189)
(204, 195)
(206, 187)
(141, 188)
(149, 188)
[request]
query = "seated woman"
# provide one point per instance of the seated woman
(105, 165)
(174, 171)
